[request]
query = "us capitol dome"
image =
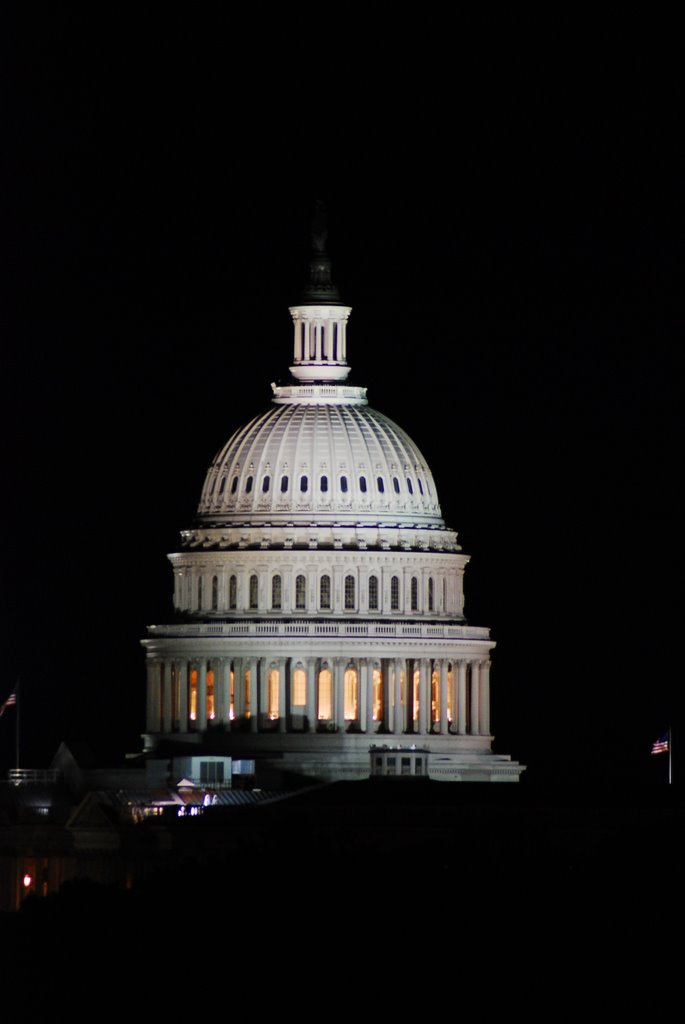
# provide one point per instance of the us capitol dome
(319, 629)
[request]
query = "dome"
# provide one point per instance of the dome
(320, 455)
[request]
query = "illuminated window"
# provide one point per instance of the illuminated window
(299, 688)
(276, 592)
(300, 593)
(415, 695)
(192, 694)
(381, 485)
(210, 694)
(211, 773)
(349, 592)
(215, 593)
(254, 592)
(324, 484)
(343, 484)
(451, 709)
(233, 592)
(414, 594)
(362, 484)
(266, 483)
(395, 594)
(325, 694)
(284, 484)
(377, 695)
(274, 679)
(435, 696)
(373, 593)
(247, 692)
(234, 485)
(396, 484)
(248, 484)
(231, 713)
(431, 594)
(325, 592)
(351, 694)
(304, 484)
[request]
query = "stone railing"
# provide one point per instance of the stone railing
(304, 628)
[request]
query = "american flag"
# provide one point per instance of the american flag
(12, 699)
(661, 745)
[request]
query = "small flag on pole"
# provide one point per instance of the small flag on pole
(11, 700)
(661, 745)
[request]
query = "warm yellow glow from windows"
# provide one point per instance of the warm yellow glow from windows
(231, 713)
(435, 697)
(415, 694)
(210, 694)
(325, 694)
(451, 710)
(248, 691)
(377, 695)
(299, 688)
(192, 686)
(274, 678)
(351, 695)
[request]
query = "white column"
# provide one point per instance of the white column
(339, 693)
(485, 698)
(283, 707)
(254, 695)
(386, 693)
(151, 723)
(461, 700)
(444, 726)
(238, 689)
(398, 724)
(475, 685)
(201, 720)
(424, 698)
(166, 717)
(311, 694)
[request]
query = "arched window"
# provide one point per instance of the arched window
(395, 594)
(298, 697)
(222, 488)
(414, 594)
(276, 592)
(431, 594)
(304, 484)
(325, 695)
(233, 593)
(215, 593)
(410, 488)
(396, 484)
(381, 485)
(349, 592)
(351, 684)
(343, 484)
(234, 485)
(199, 593)
(324, 484)
(254, 592)
(248, 484)
(420, 487)
(362, 484)
(284, 484)
(274, 680)
(266, 483)
(325, 592)
(300, 593)
(373, 593)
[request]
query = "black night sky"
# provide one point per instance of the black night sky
(516, 276)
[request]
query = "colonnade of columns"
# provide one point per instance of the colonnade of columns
(395, 696)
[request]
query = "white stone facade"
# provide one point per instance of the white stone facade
(319, 595)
